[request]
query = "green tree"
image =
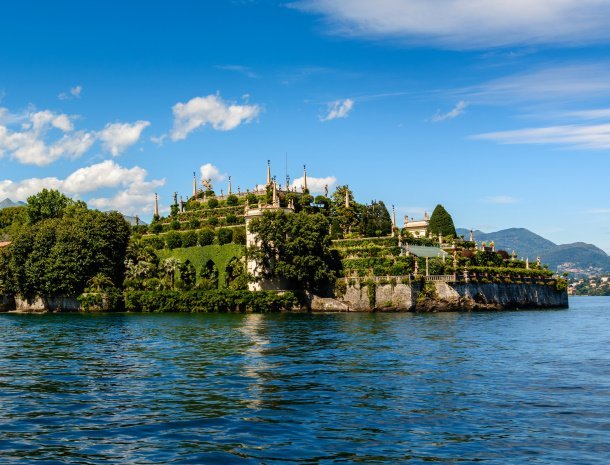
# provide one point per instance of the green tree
(232, 200)
(170, 266)
(194, 223)
(12, 215)
(206, 237)
(322, 201)
(348, 216)
(236, 275)
(156, 227)
(306, 200)
(295, 247)
(58, 256)
(47, 204)
(188, 274)
(239, 235)
(100, 282)
(173, 240)
(189, 239)
(376, 220)
(209, 275)
(441, 223)
(225, 236)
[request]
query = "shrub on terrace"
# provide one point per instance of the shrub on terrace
(194, 223)
(173, 240)
(232, 200)
(189, 239)
(156, 227)
(206, 237)
(225, 236)
(239, 235)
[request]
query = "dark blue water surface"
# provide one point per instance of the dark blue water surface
(492, 388)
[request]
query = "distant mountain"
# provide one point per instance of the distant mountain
(132, 220)
(524, 242)
(6, 203)
(578, 258)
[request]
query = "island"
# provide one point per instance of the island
(273, 247)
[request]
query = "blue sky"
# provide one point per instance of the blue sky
(501, 113)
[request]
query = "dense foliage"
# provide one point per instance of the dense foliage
(63, 247)
(376, 220)
(294, 247)
(441, 223)
(49, 204)
(209, 301)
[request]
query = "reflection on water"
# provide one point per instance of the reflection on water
(496, 388)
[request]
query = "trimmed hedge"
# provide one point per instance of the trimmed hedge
(209, 301)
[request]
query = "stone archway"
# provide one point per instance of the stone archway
(209, 273)
(235, 274)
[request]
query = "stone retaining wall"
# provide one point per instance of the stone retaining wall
(441, 296)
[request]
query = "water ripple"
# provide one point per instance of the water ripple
(493, 388)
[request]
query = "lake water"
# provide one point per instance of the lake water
(494, 388)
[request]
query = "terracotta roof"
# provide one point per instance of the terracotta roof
(4, 244)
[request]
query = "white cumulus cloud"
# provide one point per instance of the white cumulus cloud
(316, 185)
(212, 110)
(31, 144)
(453, 113)
(21, 190)
(338, 109)
(133, 192)
(117, 137)
(468, 24)
(102, 175)
(209, 171)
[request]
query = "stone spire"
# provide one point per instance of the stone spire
(194, 185)
(304, 178)
(346, 197)
(471, 238)
(268, 172)
(156, 204)
(393, 221)
(229, 192)
(276, 201)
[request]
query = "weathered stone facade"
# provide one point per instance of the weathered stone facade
(441, 296)
(47, 304)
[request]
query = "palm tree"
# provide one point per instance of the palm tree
(169, 267)
(100, 282)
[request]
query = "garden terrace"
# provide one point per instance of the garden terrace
(219, 255)
(202, 237)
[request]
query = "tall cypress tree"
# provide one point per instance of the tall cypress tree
(441, 222)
